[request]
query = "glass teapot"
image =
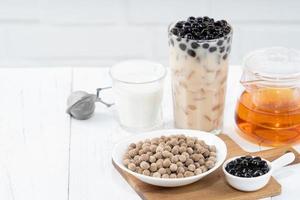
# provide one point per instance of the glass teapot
(268, 109)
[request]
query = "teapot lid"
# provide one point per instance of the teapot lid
(277, 66)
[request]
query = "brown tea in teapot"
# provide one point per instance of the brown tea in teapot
(268, 109)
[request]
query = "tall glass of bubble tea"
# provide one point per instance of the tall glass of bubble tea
(198, 52)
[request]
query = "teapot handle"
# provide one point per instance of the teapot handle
(98, 99)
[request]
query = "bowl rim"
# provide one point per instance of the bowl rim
(266, 175)
(187, 132)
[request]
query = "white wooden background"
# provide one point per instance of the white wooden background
(102, 32)
(45, 155)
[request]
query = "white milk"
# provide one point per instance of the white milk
(138, 91)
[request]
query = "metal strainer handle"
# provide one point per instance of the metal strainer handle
(98, 99)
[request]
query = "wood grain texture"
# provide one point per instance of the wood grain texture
(91, 175)
(214, 186)
(34, 133)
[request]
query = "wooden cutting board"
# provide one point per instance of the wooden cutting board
(213, 186)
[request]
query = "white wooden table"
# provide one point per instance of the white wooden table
(46, 155)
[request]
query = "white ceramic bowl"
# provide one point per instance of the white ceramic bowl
(210, 139)
(256, 183)
(246, 184)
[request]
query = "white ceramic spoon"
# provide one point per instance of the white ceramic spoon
(256, 183)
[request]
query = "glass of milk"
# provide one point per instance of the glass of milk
(138, 92)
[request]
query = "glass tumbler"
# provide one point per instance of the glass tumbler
(138, 92)
(199, 74)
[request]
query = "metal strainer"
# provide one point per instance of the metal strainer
(81, 105)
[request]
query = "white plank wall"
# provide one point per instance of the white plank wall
(102, 32)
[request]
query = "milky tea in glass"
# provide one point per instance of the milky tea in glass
(199, 74)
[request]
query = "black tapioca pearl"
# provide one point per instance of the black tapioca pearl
(178, 39)
(191, 52)
(255, 163)
(247, 166)
(222, 49)
(225, 56)
(187, 24)
(239, 174)
(263, 164)
(205, 45)
(179, 24)
(182, 46)
(191, 19)
(196, 26)
(257, 158)
(228, 40)
(228, 49)
(248, 157)
(175, 31)
(212, 49)
(220, 42)
(172, 42)
(189, 36)
(244, 170)
(231, 171)
(244, 162)
(194, 45)
(257, 173)
(265, 170)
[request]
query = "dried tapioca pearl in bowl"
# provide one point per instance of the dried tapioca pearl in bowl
(209, 164)
(173, 167)
(146, 172)
(153, 167)
(168, 171)
(188, 173)
(165, 176)
(175, 156)
(166, 162)
(120, 150)
(156, 174)
(144, 165)
(126, 161)
(173, 176)
(131, 166)
(189, 161)
(175, 159)
(152, 159)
